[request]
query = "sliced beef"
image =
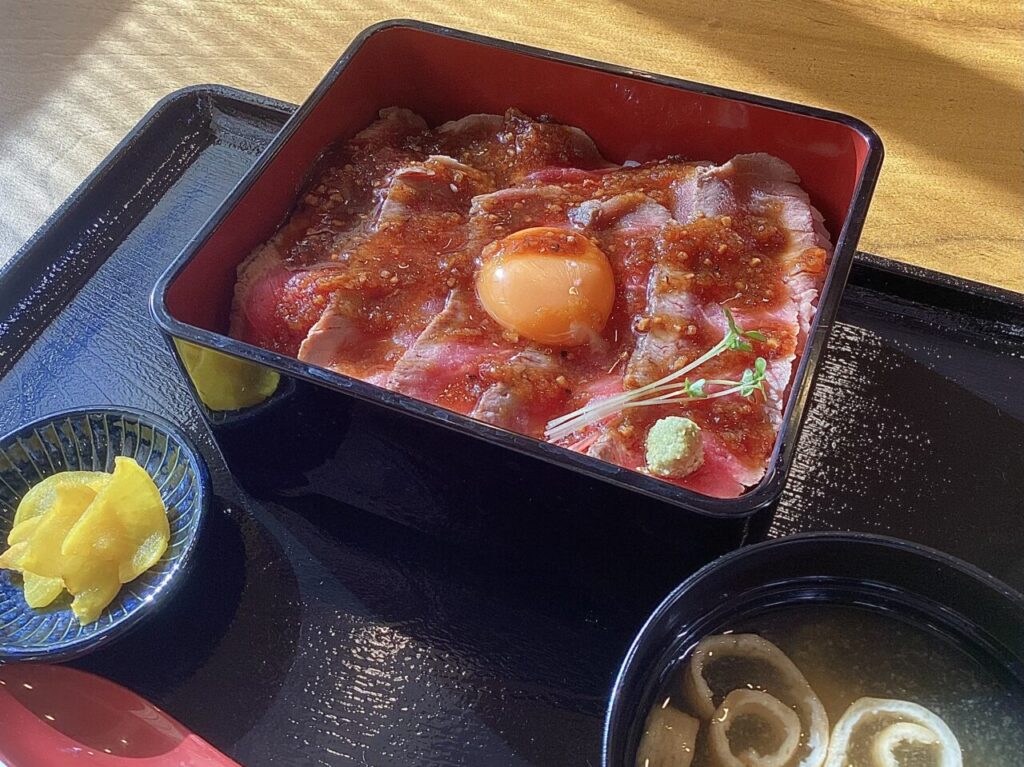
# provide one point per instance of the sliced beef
(443, 363)
(513, 146)
(525, 394)
(373, 276)
(397, 263)
(277, 300)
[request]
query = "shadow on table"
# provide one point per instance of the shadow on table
(945, 101)
(44, 36)
(508, 656)
(216, 655)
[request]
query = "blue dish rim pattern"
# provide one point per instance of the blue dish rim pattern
(157, 594)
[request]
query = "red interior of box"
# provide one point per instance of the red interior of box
(444, 78)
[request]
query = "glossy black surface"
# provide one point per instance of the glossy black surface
(314, 633)
(948, 598)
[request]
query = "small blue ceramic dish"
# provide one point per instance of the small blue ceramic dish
(89, 440)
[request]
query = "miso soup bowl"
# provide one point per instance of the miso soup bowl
(347, 441)
(931, 590)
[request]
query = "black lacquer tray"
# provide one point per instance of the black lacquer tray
(309, 635)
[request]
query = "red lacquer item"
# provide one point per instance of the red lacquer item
(57, 716)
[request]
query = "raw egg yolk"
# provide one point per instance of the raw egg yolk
(550, 285)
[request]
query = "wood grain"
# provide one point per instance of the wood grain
(942, 82)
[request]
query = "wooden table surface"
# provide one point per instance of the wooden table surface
(942, 81)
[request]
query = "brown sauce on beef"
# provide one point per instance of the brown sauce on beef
(397, 271)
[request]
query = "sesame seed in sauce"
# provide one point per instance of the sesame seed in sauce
(370, 176)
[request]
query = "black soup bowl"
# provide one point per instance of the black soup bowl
(964, 608)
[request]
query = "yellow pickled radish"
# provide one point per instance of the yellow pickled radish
(93, 586)
(125, 524)
(44, 555)
(40, 497)
(40, 591)
(88, 532)
(146, 555)
(11, 559)
(224, 382)
(21, 531)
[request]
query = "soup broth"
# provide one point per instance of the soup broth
(846, 654)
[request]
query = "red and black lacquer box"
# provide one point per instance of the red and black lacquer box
(347, 442)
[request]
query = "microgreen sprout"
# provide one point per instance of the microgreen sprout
(695, 389)
(670, 389)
